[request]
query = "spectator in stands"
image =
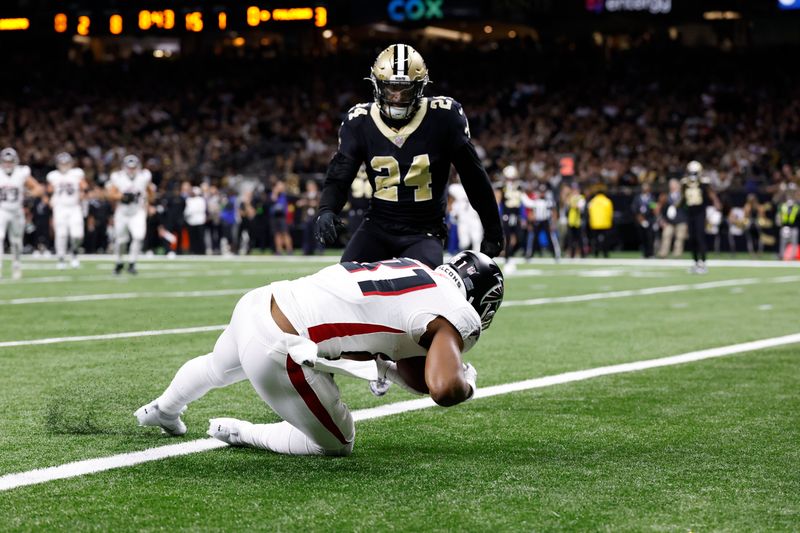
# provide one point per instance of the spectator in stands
(307, 205)
(229, 221)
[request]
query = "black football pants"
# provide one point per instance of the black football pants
(371, 243)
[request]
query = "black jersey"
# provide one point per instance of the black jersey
(408, 167)
(696, 195)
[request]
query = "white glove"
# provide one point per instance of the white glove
(471, 375)
(302, 351)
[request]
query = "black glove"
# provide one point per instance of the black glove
(327, 227)
(493, 241)
(128, 198)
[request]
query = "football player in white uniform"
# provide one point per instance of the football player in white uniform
(66, 186)
(402, 319)
(132, 189)
(14, 180)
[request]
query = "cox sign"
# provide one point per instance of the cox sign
(405, 10)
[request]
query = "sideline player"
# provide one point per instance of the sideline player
(67, 186)
(281, 336)
(14, 180)
(697, 195)
(407, 143)
(132, 190)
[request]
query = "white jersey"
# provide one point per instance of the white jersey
(136, 187)
(380, 307)
(12, 187)
(66, 188)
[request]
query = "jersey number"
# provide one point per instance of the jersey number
(418, 176)
(9, 194)
(391, 287)
(694, 196)
(65, 188)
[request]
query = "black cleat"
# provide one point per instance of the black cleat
(118, 269)
(132, 269)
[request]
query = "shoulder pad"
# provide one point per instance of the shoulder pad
(358, 110)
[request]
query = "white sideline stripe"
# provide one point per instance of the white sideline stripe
(90, 466)
(146, 274)
(121, 296)
(649, 291)
(107, 336)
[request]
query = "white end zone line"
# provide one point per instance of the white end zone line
(90, 466)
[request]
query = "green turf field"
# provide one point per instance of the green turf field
(705, 446)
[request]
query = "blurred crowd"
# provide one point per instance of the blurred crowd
(250, 136)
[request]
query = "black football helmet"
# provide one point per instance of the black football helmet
(482, 280)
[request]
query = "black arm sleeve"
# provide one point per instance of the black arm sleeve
(341, 173)
(477, 185)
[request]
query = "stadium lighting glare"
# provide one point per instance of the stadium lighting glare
(722, 15)
(238, 42)
(512, 34)
(158, 53)
(488, 29)
(14, 24)
(444, 33)
(327, 34)
(673, 33)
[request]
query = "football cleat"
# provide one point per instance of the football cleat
(228, 430)
(150, 415)
(132, 269)
(380, 386)
(118, 269)
(75, 263)
(62, 265)
(16, 272)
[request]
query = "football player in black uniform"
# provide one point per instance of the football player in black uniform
(407, 143)
(697, 195)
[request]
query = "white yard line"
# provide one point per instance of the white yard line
(108, 336)
(508, 303)
(649, 291)
(90, 466)
(121, 296)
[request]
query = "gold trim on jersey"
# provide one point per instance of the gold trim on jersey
(398, 137)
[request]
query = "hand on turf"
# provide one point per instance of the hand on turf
(327, 227)
(493, 241)
(471, 375)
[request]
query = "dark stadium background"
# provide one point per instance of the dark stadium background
(632, 90)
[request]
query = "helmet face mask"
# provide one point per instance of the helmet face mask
(398, 77)
(481, 284)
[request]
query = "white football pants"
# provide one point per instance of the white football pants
(253, 347)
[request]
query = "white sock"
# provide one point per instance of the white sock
(61, 246)
(135, 248)
(118, 250)
(279, 438)
(16, 250)
(192, 381)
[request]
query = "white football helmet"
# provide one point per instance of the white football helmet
(131, 164)
(694, 168)
(64, 161)
(9, 159)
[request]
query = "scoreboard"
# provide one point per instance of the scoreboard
(164, 18)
